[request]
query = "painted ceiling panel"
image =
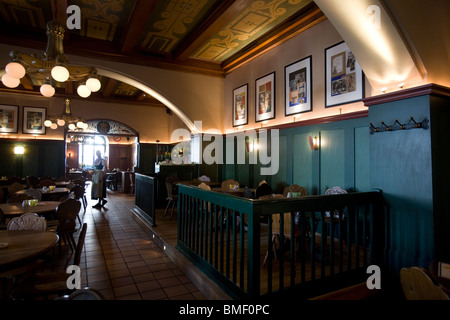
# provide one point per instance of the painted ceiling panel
(255, 20)
(171, 21)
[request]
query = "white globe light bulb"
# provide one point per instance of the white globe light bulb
(60, 73)
(47, 90)
(72, 126)
(47, 123)
(15, 70)
(83, 91)
(93, 84)
(9, 81)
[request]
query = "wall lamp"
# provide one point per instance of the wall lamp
(19, 150)
(313, 143)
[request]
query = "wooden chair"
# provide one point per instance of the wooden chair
(204, 186)
(48, 284)
(294, 188)
(172, 195)
(2, 220)
(418, 285)
(27, 221)
(13, 188)
(67, 213)
(18, 198)
(83, 294)
(32, 192)
(46, 183)
(32, 181)
(79, 194)
(226, 184)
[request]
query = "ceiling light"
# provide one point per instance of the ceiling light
(66, 118)
(9, 81)
(52, 65)
(83, 91)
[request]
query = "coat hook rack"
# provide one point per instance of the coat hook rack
(397, 125)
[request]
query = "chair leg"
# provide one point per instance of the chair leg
(167, 208)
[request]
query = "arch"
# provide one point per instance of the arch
(147, 89)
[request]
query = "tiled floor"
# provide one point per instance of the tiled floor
(121, 261)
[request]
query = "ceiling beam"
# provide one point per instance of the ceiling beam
(220, 17)
(137, 21)
(109, 88)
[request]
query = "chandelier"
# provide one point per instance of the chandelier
(73, 123)
(51, 67)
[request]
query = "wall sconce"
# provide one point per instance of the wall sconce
(19, 150)
(251, 146)
(69, 155)
(313, 143)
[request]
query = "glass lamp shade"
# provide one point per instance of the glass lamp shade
(60, 122)
(47, 123)
(72, 126)
(9, 81)
(80, 124)
(93, 84)
(54, 126)
(83, 91)
(47, 90)
(60, 73)
(15, 70)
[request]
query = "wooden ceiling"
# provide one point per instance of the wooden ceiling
(212, 37)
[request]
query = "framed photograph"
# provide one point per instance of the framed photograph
(240, 106)
(344, 78)
(298, 84)
(33, 120)
(265, 98)
(9, 118)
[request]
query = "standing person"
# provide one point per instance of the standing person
(98, 189)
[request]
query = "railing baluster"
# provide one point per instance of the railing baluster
(293, 249)
(323, 243)
(270, 253)
(241, 252)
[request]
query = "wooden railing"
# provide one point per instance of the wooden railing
(234, 241)
(145, 200)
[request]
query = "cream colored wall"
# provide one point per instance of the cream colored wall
(311, 42)
(151, 123)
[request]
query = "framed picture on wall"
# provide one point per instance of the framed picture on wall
(9, 116)
(265, 98)
(240, 105)
(298, 84)
(33, 120)
(344, 78)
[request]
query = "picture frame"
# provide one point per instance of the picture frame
(9, 118)
(298, 84)
(265, 97)
(240, 105)
(344, 78)
(33, 120)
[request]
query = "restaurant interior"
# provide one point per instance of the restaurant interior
(219, 124)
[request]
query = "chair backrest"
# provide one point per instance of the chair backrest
(27, 221)
(262, 190)
(2, 217)
(335, 190)
(18, 198)
(294, 188)
(417, 285)
(67, 213)
(226, 184)
(80, 182)
(14, 187)
(80, 244)
(36, 194)
(46, 183)
(204, 178)
(32, 181)
(196, 182)
(78, 191)
(204, 186)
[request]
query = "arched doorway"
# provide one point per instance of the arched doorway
(117, 142)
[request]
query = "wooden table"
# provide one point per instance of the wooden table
(24, 246)
(50, 194)
(12, 210)
(235, 192)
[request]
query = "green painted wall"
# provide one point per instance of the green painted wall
(41, 158)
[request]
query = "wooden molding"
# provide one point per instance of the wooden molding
(428, 89)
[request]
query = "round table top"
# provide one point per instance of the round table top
(15, 209)
(17, 247)
(56, 190)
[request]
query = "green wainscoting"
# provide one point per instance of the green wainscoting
(41, 158)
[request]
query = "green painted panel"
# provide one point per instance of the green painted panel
(362, 159)
(279, 180)
(332, 159)
(303, 173)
